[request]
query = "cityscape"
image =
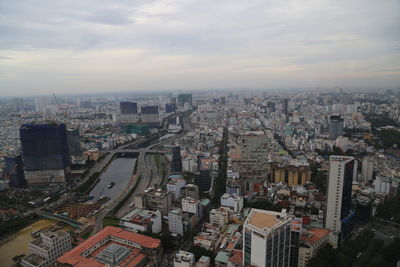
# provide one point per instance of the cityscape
(170, 133)
(206, 178)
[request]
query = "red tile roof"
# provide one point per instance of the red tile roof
(316, 234)
(236, 256)
(74, 258)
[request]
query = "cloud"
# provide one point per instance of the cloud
(168, 44)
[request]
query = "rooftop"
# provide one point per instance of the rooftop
(76, 257)
(264, 219)
(34, 259)
(314, 235)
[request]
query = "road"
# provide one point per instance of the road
(147, 174)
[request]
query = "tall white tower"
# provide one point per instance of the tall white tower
(341, 172)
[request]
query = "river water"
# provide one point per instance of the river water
(120, 172)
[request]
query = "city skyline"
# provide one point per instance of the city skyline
(73, 47)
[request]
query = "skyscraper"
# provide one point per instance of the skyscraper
(335, 127)
(14, 171)
(45, 153)
(128, 107)
(285, 106)
(74, 141)
(266, 239)
(342, 170)
(176, 163)
(150, 116)
(129, 112)
(203, 179)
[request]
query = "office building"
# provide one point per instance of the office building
(175, 186)
(251, 159)
(266, 240)
(270, 107)
(184, 259)
(184, 98)
(150, 116)
(180, 222)
(74, 142)
(154, 199)
(311, 241)
(342, 170)
(176, 162)
(129, 112)
(114, 246)
(295, 232)
(45, 153)
(47, 248)
(335, 127)
(141, 220)
(128, 107)
(203, 179)
(14, 171)
(285, 108)
(170, 108)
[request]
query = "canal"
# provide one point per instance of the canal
(118, 172)
(19, 242)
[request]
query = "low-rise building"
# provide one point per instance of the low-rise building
(204, 261)
(233, 202)
(175, 186)
(114, 246)
(310, 242)
(219, 217)
(192, 205)
(190, 190)
(154, 199)
(184, 259)
(181, 222)
(47, 248)
(140, 220)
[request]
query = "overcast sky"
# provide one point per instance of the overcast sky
(76, 46)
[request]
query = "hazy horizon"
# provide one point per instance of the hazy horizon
(74, 47)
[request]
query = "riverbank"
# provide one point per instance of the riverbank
(18, 243)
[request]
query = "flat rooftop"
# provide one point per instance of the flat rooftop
(263, 219)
